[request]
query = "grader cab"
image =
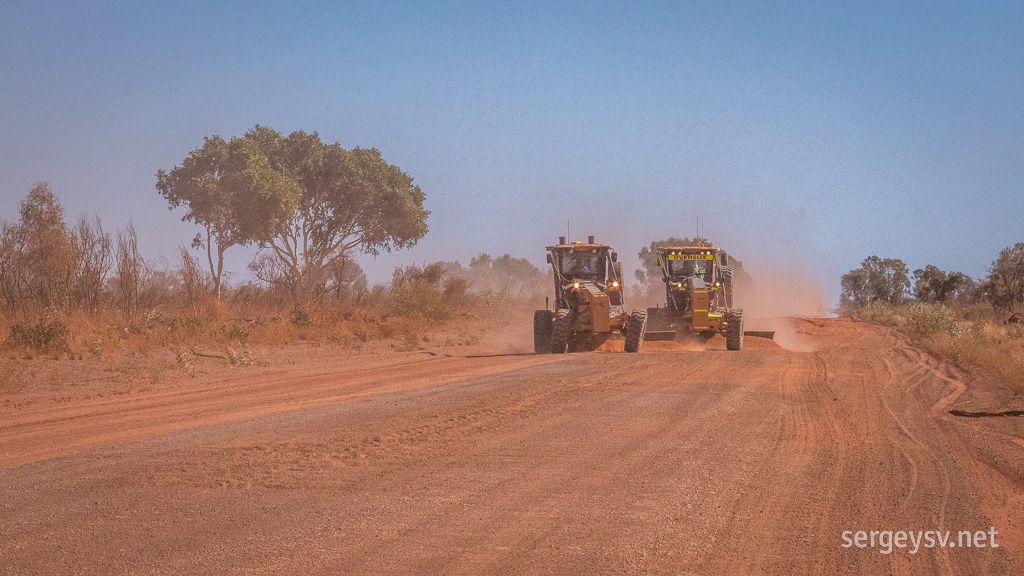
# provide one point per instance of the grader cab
(588, 305)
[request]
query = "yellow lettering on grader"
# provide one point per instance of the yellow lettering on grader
(691, 257)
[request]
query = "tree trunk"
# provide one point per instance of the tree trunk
(215, 272)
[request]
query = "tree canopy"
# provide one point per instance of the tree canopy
(505, 274)
(932, 285)
(877, 279)
(45, 264)
(307, 204)
(42, 255)
(350, 200)
(1005, 283)
(230, 189)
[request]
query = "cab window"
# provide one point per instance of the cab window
(581, 264)
(679, 266)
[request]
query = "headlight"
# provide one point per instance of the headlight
(576, 285)
(679, 285)
(615, 284)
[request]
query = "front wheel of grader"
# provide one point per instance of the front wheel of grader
(542, 324)
(727, 284)
(561, 329)
(734, 330)
(635, 328)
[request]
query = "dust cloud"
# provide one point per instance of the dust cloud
(510, 332)
(777, 293)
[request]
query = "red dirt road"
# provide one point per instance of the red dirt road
(667, 461)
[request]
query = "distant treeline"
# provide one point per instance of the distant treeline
(889, 281)
(51, 271)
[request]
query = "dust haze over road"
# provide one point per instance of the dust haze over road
(665, 461)
(781, 290)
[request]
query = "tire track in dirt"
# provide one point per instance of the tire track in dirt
(1001, 486)
(415, 438)
(47, 433)
(895, 385)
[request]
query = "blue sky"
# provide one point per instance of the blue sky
(815, 133)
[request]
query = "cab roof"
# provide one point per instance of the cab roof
(579, 247)
(688, 249)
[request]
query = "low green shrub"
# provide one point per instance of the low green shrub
(419, 299)
(302, 317)
(929, 319)
(877, 311)
(45, 335)
(979, 312)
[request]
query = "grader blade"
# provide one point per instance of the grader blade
(659, 336)
(769, 334)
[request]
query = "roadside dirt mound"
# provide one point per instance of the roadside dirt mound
(618, 346)
(749, 343)
(715, 343)
(614, 346)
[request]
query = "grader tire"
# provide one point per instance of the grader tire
(542, 324)
(636, 326)
(727, 283)
(561, 329)
(734, 330)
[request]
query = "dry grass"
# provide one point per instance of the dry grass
(999, 349)
(970, 337)
(172, 341)
(109, 334)
(235, 331)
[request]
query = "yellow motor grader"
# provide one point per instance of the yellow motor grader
(588, 306)
(698, 297)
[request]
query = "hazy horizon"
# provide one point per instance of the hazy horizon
(806, 137)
